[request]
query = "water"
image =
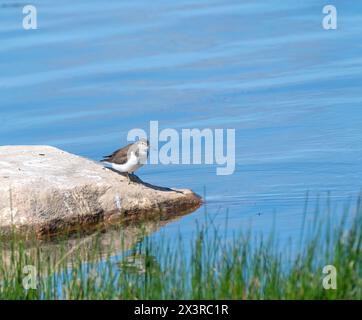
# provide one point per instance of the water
(292, 90)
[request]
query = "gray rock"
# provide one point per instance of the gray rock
(49, 191)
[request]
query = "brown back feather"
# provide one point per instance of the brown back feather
(119, 156)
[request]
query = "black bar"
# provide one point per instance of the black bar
(183, 309)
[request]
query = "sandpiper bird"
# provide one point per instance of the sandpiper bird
(129, 158)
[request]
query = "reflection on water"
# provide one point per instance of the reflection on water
(106, 242)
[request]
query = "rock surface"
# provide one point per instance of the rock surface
(48, 191)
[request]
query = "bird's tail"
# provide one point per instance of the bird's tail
(107, 164)
(105, 159)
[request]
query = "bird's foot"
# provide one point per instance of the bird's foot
(132, 177)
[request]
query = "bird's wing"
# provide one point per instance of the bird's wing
(119, 156)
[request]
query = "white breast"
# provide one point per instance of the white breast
(131, 165)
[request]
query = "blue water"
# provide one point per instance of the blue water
(293, 91)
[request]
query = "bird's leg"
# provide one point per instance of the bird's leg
(131, 175)
(135, 178)
(129, 179)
